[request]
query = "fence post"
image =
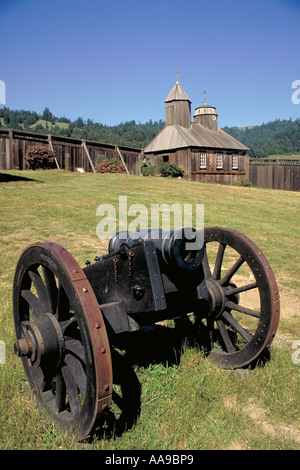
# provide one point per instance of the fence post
(88, 155)
(7, 151)
(122, 159)
(10, 153)
(51, 146)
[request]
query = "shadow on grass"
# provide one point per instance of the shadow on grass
(155, 344)
(6, 178)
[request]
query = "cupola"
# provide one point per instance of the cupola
(207, 116)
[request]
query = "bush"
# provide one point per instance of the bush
(170, 169)
(148, 170)
(39, 157)
(243, 182)
(110, 166)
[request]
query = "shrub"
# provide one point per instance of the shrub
(110, 166)
(39, 157)
(148, 170)
(170, 169)
(243, 182)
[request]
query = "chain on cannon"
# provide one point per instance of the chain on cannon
(68, 318)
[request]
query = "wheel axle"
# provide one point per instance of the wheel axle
(43, 341)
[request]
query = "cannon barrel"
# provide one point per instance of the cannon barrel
(181, 248)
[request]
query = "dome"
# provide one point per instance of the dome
(206, 116)
(205, 109)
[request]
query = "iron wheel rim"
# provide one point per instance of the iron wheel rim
(267, 317)
(76, 390)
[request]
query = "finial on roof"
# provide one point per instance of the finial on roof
(177, 73)
(204, 93)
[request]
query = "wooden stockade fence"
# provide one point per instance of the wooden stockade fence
(75, 153)
(71, 153)
(275, 173)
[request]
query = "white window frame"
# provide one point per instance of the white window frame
(235, 162)
(203, 161)
(219, 163)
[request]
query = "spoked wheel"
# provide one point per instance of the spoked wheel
(61, 338)
(243, 312)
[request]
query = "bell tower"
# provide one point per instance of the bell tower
(178, 106)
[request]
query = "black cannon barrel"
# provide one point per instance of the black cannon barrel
(181, 248)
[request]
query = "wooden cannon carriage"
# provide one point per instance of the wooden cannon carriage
(68, 319)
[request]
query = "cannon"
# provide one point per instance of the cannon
(68, 319)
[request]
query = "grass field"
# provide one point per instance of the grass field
(43, 123)
(188, 404)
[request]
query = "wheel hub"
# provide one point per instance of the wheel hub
(217, 298)
(43, 341)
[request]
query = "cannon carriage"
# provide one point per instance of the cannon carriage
(68, 319)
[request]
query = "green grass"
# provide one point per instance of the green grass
(48, 124)
(187, 405)
(43, 123)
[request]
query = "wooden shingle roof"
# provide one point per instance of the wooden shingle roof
(177, 94)
(174, 137)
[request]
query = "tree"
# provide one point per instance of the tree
(48, 116)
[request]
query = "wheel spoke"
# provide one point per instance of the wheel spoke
(51, 288)
(40, 288)
(76, 348)
(65, 324)
(78, 372)
(225, 336)
(232, 271)
(72, 390)
(63, 304)
(210, 327)
(206, 268)
(239, 308)
(238, 290)
(244, 333)
(42, 381)
(35, 303)
(219, 260)
(60, 393)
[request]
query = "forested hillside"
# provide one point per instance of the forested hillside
(278, 137)
(129, 133)
(273, 138)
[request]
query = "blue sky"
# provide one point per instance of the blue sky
(114, 61)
